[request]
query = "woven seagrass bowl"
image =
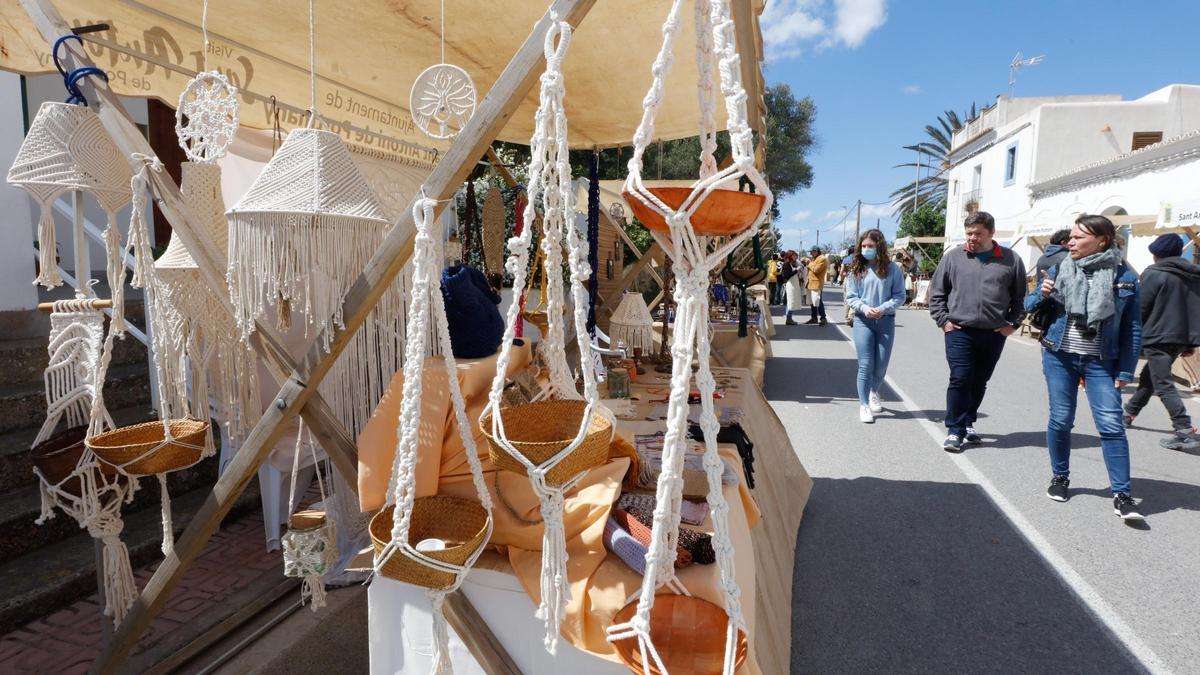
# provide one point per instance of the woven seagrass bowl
(541, 430)
(722, 213)
(57, 457)
(689, 634)
(130, 448)
(461, 523)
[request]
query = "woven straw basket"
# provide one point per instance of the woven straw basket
(689, 634)
(461, 523)
(121, 447)
(58, 456)
(541, 430)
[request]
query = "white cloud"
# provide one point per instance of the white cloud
(876, 211)
(832, 214)
(911, 89)
(789, 26)
(800, 216)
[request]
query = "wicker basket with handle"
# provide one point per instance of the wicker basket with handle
(541, 430)
(461, 523)
(141, 450)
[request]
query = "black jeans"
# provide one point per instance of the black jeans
(772, 293)
(1156, 378)
(972, 354)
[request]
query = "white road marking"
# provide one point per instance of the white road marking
(1073, 579)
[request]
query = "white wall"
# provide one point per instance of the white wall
(1006, 202)
(16, 226)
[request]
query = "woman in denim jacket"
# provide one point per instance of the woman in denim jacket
(1094, 339)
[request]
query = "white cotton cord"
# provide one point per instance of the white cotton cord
(312, 60)
(706, 90)
(48, 275)
(204, 30)
(168, 540)
(308, 554)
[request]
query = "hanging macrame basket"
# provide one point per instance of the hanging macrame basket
(541, 430)
(461, 524)
(724, 212)
(144, 449)
(57, 458)
(689, 634)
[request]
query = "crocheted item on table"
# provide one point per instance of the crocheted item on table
(690, 512)
(697, 544)
(641, 532)
(624, 546)
(476, 326)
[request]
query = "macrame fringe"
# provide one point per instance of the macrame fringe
(441, 635)
(168, 540)
(312, 590)
(48, 275)
(120, 589)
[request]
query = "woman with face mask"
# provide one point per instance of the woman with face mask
(874, 289)
(1094, 339)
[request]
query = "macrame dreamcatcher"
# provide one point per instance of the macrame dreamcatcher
(430, 541)
(182, 435)
(206, 118)
(310, 544)
(67, 149)
(552, 441)
(682, 219)
(70, 477)
(443, 96)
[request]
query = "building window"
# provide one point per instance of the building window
(1010, 164)
(1143, 138)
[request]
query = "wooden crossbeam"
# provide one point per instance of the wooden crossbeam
(298, 391)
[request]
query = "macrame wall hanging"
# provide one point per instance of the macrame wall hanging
(70, 477)
(430, 541)
(67, 149)
(442, 99)
(681, 219)
(310, 544)
(553, 441)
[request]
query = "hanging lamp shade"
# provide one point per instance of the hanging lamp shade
(67, 149)
(201, 188)
(304, 231)
(632, 323)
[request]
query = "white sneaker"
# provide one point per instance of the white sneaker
(864, 414)
(876, 404)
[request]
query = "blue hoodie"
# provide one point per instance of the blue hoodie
(1054, 254)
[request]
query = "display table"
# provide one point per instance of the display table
(399, 614)
(728, 350)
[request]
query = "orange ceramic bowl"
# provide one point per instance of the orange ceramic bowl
(723, 213)
(689, 634)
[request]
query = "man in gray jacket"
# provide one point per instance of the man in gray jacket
(977, 298)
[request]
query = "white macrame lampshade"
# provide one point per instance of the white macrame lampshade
(632, 324)
(222, 365)
(303, 232)
(67, 149)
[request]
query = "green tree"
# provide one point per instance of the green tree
(928, 220)
(934, 156)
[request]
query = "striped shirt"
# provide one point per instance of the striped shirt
(1074, 340)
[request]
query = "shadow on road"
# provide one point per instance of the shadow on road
(1156, 496)
(929, 577)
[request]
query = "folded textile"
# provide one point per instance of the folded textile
(695, 480)
(641, 532)
(690, 512)
(697, 544)
(624, 546)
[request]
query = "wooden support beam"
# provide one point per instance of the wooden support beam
(298, 392)
(652, 254)
(125, 135)
(478, 636)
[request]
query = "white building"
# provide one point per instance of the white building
(1034, 163)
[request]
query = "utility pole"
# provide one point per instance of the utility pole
(858, 222)
(917, 189)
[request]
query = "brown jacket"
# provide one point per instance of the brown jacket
(816, 272)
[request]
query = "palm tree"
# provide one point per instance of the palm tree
(934, 157)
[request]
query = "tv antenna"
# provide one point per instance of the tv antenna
(1019, 61)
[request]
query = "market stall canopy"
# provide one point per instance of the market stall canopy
(369, 53)
(904, 242)
(1178, 217)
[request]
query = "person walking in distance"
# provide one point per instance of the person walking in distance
(772, 279)
(818, 266)
(874, 289)
(1170, 312)
(1094, 338)
(976, 298)
(791, 272)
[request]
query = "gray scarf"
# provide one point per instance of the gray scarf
(1089, 304)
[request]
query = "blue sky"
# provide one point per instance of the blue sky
(880, 70)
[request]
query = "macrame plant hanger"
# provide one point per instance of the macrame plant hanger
(310, 544)
(204, 359)
(442, 98)
(400, 528)
(586, 428)
(685, 240)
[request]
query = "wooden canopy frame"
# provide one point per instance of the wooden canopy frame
(298, 381)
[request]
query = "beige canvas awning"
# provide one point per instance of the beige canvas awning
(369, 52)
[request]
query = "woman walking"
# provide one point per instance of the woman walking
(874, 289)
(1095, 337)
(793, 271)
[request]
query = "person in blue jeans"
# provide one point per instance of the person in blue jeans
(1095, 338)
(874, 289)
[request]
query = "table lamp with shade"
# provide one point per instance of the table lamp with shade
(632, 325)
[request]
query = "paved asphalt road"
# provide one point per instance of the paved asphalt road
(910, 559)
